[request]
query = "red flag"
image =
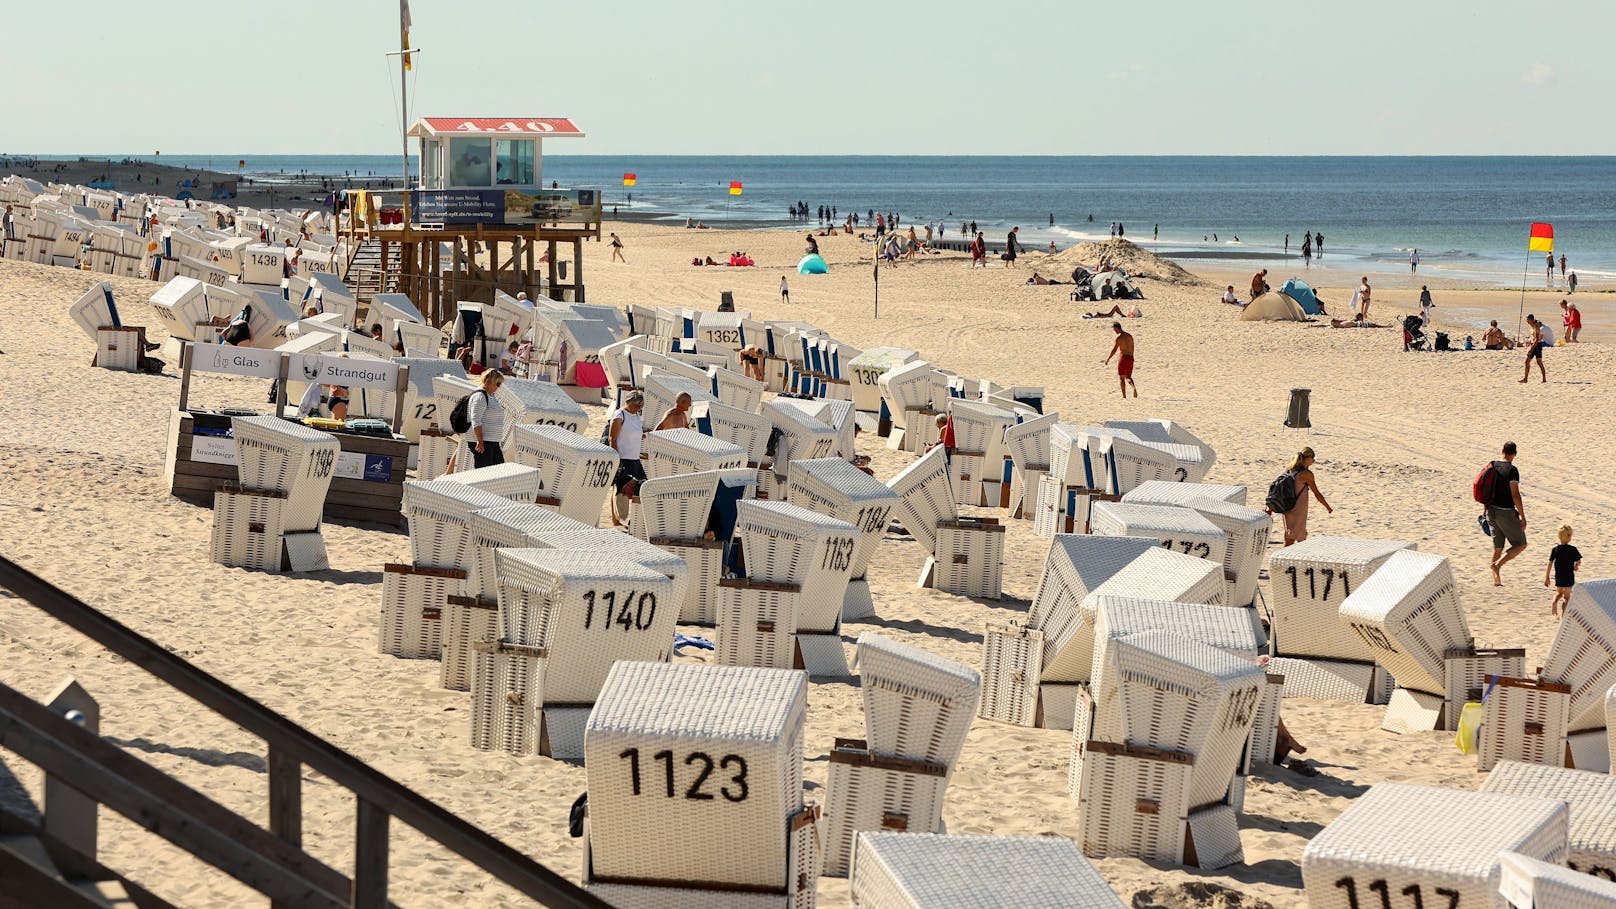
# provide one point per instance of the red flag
(735, 188)
(629, 179)
(1542, 238)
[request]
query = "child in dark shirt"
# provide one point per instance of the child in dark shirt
(1564, 560)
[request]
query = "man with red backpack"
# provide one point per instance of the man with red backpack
(1498, 487)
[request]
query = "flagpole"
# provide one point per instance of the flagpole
(1525, 275)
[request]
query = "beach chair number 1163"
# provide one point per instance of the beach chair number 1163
(734, 790)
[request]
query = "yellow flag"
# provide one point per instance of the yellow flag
(404, 29)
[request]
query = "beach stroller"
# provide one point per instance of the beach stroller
(1413, 335)
(1084, 284)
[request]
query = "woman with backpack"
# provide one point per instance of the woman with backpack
(487, 417)
(1301, 473)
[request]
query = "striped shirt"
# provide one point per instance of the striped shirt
(485, 410)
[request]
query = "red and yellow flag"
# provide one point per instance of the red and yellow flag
(404, 29)
(1542, 239)
(735, 188)
(628, 179)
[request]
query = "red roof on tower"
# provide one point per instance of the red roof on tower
(495, 126)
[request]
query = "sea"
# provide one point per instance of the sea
(1468, 216)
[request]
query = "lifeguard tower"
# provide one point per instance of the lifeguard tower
(481, 183)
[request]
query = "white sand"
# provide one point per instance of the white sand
(1399, 438)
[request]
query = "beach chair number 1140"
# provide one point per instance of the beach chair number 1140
(643, 616)
(734, 790)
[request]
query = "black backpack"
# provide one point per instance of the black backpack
(1282, 493)
(459, 417)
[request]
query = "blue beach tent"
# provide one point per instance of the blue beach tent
(1303, 294)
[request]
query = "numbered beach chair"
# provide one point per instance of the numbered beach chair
(736, 390)
(782, 543)
(578, 612)
(675, 451)
(1116, 617)
(510, 526)
(733, 733)
(911, 392)
(1166, 492)
(1583, 654)
(832, 486)
(1529, 883)
(420, 395)
(1027, 444)
(574, 471)
(929, 871)
(181, 306)
(1174, 527)
(395, 306)
(535, 402)
(865, 372)
(117, 346)
(1408, 613)
(288, 468)
(1308, 582)
(1525, 721)
(801, 437)
(746, 430)
(517, 482)
(662, 390)
(1440, 844)
(413, 602)
(1592, 797)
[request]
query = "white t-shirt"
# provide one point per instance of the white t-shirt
(1548, 333)
(630, 434)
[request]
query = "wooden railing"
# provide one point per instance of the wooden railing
(270, 861)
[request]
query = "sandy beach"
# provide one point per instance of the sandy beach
(1399, 437)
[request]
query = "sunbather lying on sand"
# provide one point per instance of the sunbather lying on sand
(1132, 312)
(1041, 280)
(1356, 321)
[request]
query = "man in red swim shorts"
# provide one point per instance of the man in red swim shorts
(1123, 346)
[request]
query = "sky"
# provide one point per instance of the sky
(1350, 77)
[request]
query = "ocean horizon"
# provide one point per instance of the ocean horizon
(1467, 215)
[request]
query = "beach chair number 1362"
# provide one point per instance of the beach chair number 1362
(734, 790)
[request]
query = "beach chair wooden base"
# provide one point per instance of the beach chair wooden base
(507, 684)
(1590, 750)
(1325, 680)
(965, 475)
(561, 731)
(804, 865)
(969, 560)
(822, 656)
(857, 603)
(413, 598)
(1133, 801)
(1412, 711)
(757, 623)
(870, 792)
(1011, 656)
(1058, 704)
(1526, 722)
(1265, 726)
(248, 528)
(1466, 671)
(1212, 838)
(119, 348)
(466, 620)
(705, 560)
(305, 552)
(1529, 883)
(436, 448)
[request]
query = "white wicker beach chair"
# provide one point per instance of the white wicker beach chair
(866, 369)
(516, 482)
(395, 306)
(932, 871)
(1175, 527)
(1308, 583)
(870, 792)
(1166, 492)
(439, 514)
(510, 526)
(662, 390)
(249, 528)
(757, 623)
(1408, 614)
(1134, 801)
(533, 401)
(1027, 445)
(1525, 721)
(676, 451)
(281, 456)
(917, 706)
(575, 471)
(1164, 690)
(744, 429)
(1583, 654)
(786, 544)
(1442, 844)
(1129, 462)
(664, 737)
(925, 497)
(1529, 883)
(980, 427)
(674, 507)
(1264, 728)
(420, 396)
(1592, 797)
(832, 486)
(910, 392)
(413, 601)
(1466, 669)
(969, 558)
(802, 436)
(181, 304)
(617, 359)
(1234, 631)
(736, 390)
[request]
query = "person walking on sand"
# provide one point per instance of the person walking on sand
(1564, 560)
(1301, 473)
(979, 251)
(1571, 283)
(1363, 295)
(1505, 513)
(1414, 261)
(1011, 248)
(1541, 337)
(1573, 321)
(1318, 244)
(617, 250)
(1124, 346)
(785, 290)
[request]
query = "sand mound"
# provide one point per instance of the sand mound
(1138, 262)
